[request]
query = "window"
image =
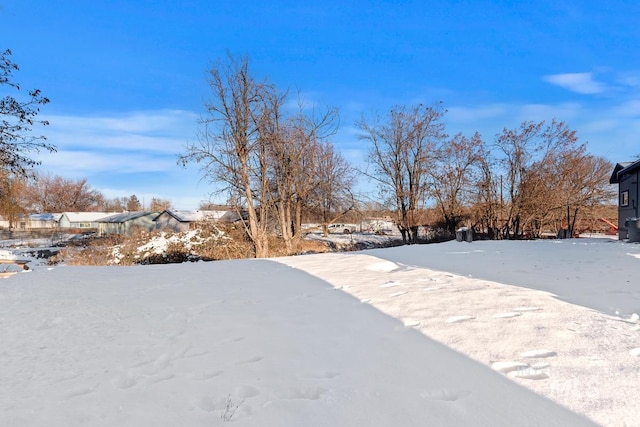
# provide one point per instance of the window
(624, 198)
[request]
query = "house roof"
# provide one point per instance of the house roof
(45, 217)
(85, 216)
(127, 216)
(193, 216)
(623, 168)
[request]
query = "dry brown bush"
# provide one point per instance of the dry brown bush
(236, 245)
(92, 251)
(212, 242)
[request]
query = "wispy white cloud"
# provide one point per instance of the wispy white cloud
(85, 163)
(583, 83)
(629, 79)
(165, 121)
(629, 108)
(163, 131)
(124, 154)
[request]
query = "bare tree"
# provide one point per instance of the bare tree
(17, 118)
(228, 150)
(294, 149)
(402, 150)
(262, 156)
(334, 179)
(485, 208)
(159, 205)
(453, 175)
(550, 178)
(116, 204)
(49, 193)
(581, 183)
(11, 197)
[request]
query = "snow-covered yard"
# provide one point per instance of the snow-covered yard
(414, 335)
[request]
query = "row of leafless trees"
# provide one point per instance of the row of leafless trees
(530, 178)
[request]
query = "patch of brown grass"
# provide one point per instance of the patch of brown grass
(214, 242)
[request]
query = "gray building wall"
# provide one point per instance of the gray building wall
(166, 221)
(628, 197)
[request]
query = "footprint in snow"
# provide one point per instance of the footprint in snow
(445, 395)
(383, 266)
(459, 319)
(125, 381)
(250, 360)
(508, 366)
(390, 284)
(525, 309)
(531, 373)
(541, 353)
(80, 391)
(411, 323)
(158, 364)
(323, 375)
(203, 376)
(304, 393)
(159, 378)
(246, 392)
(507, 315)
(397, 294)
(194, 352)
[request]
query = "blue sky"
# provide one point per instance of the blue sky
(126, 79)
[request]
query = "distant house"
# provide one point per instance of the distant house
(33, 222)
(178, 220)
(40, 221)
(626, 175)
(125, 222)
(82, 220)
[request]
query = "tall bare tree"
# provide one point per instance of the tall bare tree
(487, 204)
(12, 190)
(548, 174)
(574, 183)
(453, 175)
(334, 179)
(53, 193)
(228, 150)
(402, 151)
(295, 149)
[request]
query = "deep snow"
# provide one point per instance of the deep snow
(370, 338)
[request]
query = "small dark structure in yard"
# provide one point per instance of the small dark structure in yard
(626, 175)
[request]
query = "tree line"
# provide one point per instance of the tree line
(528, 178)
(47, 193)
(277, 165)
(270, 153)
